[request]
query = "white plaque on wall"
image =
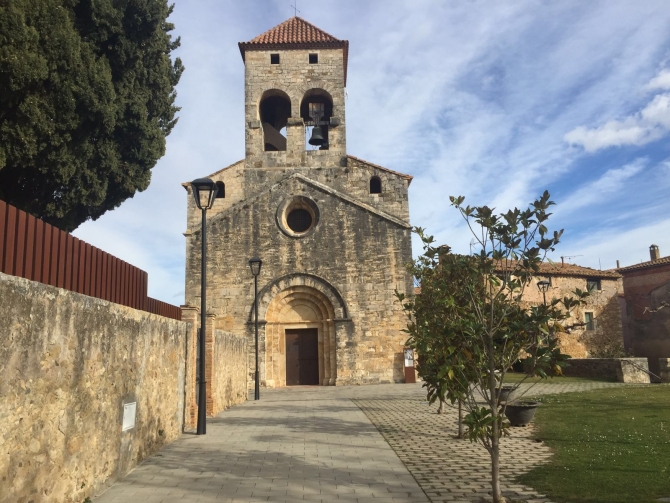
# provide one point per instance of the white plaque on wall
(129, 410)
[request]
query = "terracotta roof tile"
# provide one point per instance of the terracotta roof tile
(646, 265)
(556, 269)
(296, 33)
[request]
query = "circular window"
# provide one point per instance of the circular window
(299, 220)
(298, 216)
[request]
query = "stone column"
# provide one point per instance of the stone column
(191, 315)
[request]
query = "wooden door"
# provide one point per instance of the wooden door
(302, 357)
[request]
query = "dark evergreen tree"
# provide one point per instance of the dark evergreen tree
(87, 91)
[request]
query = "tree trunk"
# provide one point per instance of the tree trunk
(440, 409)
(495, 433)
(460, 419)
(495, 469)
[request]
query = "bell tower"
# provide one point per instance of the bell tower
(295, 76)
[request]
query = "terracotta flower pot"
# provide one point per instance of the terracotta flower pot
(521, 413)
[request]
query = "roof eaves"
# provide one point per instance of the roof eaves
(645, 265)
(186, 185)
(377, 166)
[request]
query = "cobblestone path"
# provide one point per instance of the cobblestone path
(453, 470)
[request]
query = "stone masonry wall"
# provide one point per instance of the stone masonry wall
(68, 364)
(629, 370)
(225, 370)
(607, 338)
(294, 76)
(360, 253)
(229, 370)
(353, 179)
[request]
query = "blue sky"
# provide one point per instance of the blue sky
(496, 101)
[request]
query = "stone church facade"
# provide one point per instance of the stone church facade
(332, 230)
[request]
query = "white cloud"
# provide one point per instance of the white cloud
(661, 81)
(645, 126)
(612, 181)
(471, 98)
(603, 247)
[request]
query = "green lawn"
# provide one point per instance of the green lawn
(514, 377)
(610, 446)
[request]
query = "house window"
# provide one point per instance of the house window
(274, 59)
(593, 284)
(375, 185)
(590, 321)
(221, 192)
(313, 59)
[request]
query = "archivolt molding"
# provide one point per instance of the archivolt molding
(297, 288)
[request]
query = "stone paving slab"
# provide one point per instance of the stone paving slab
(300, 444)
(455, 470)
(320, 444)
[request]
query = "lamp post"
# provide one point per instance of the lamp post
(255, 266)
(204, 192)
(543, 286)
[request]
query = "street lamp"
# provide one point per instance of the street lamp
(543, 286)
(204, 192)
(255, 266)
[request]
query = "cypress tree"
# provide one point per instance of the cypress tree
(87, 91)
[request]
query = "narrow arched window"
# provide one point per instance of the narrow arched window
(221, 192)
(375, 185)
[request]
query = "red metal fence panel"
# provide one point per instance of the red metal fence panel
(32, 249)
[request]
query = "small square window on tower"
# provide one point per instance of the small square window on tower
(313, 59)
(274, 59)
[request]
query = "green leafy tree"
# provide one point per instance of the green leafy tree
(87, 91)
(470, 323)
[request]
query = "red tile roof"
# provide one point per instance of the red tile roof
(555, 269)
(645, 265)
(296, 33)
(562, 269)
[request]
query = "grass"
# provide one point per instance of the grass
(610, 446)
(515, 377)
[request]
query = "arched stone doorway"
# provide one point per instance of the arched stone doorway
(299, 310)
(300, 303)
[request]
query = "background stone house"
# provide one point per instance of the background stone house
(602, 335)
(332, 230)
(646, 289)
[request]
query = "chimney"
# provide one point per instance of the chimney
(617, 264)
(654, 252)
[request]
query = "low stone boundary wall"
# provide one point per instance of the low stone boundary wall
(229, 371)
(630, 370)
(664, 365)
(71, 366)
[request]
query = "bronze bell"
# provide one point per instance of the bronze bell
(317, 136)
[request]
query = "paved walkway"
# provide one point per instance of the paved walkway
(324, 444)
